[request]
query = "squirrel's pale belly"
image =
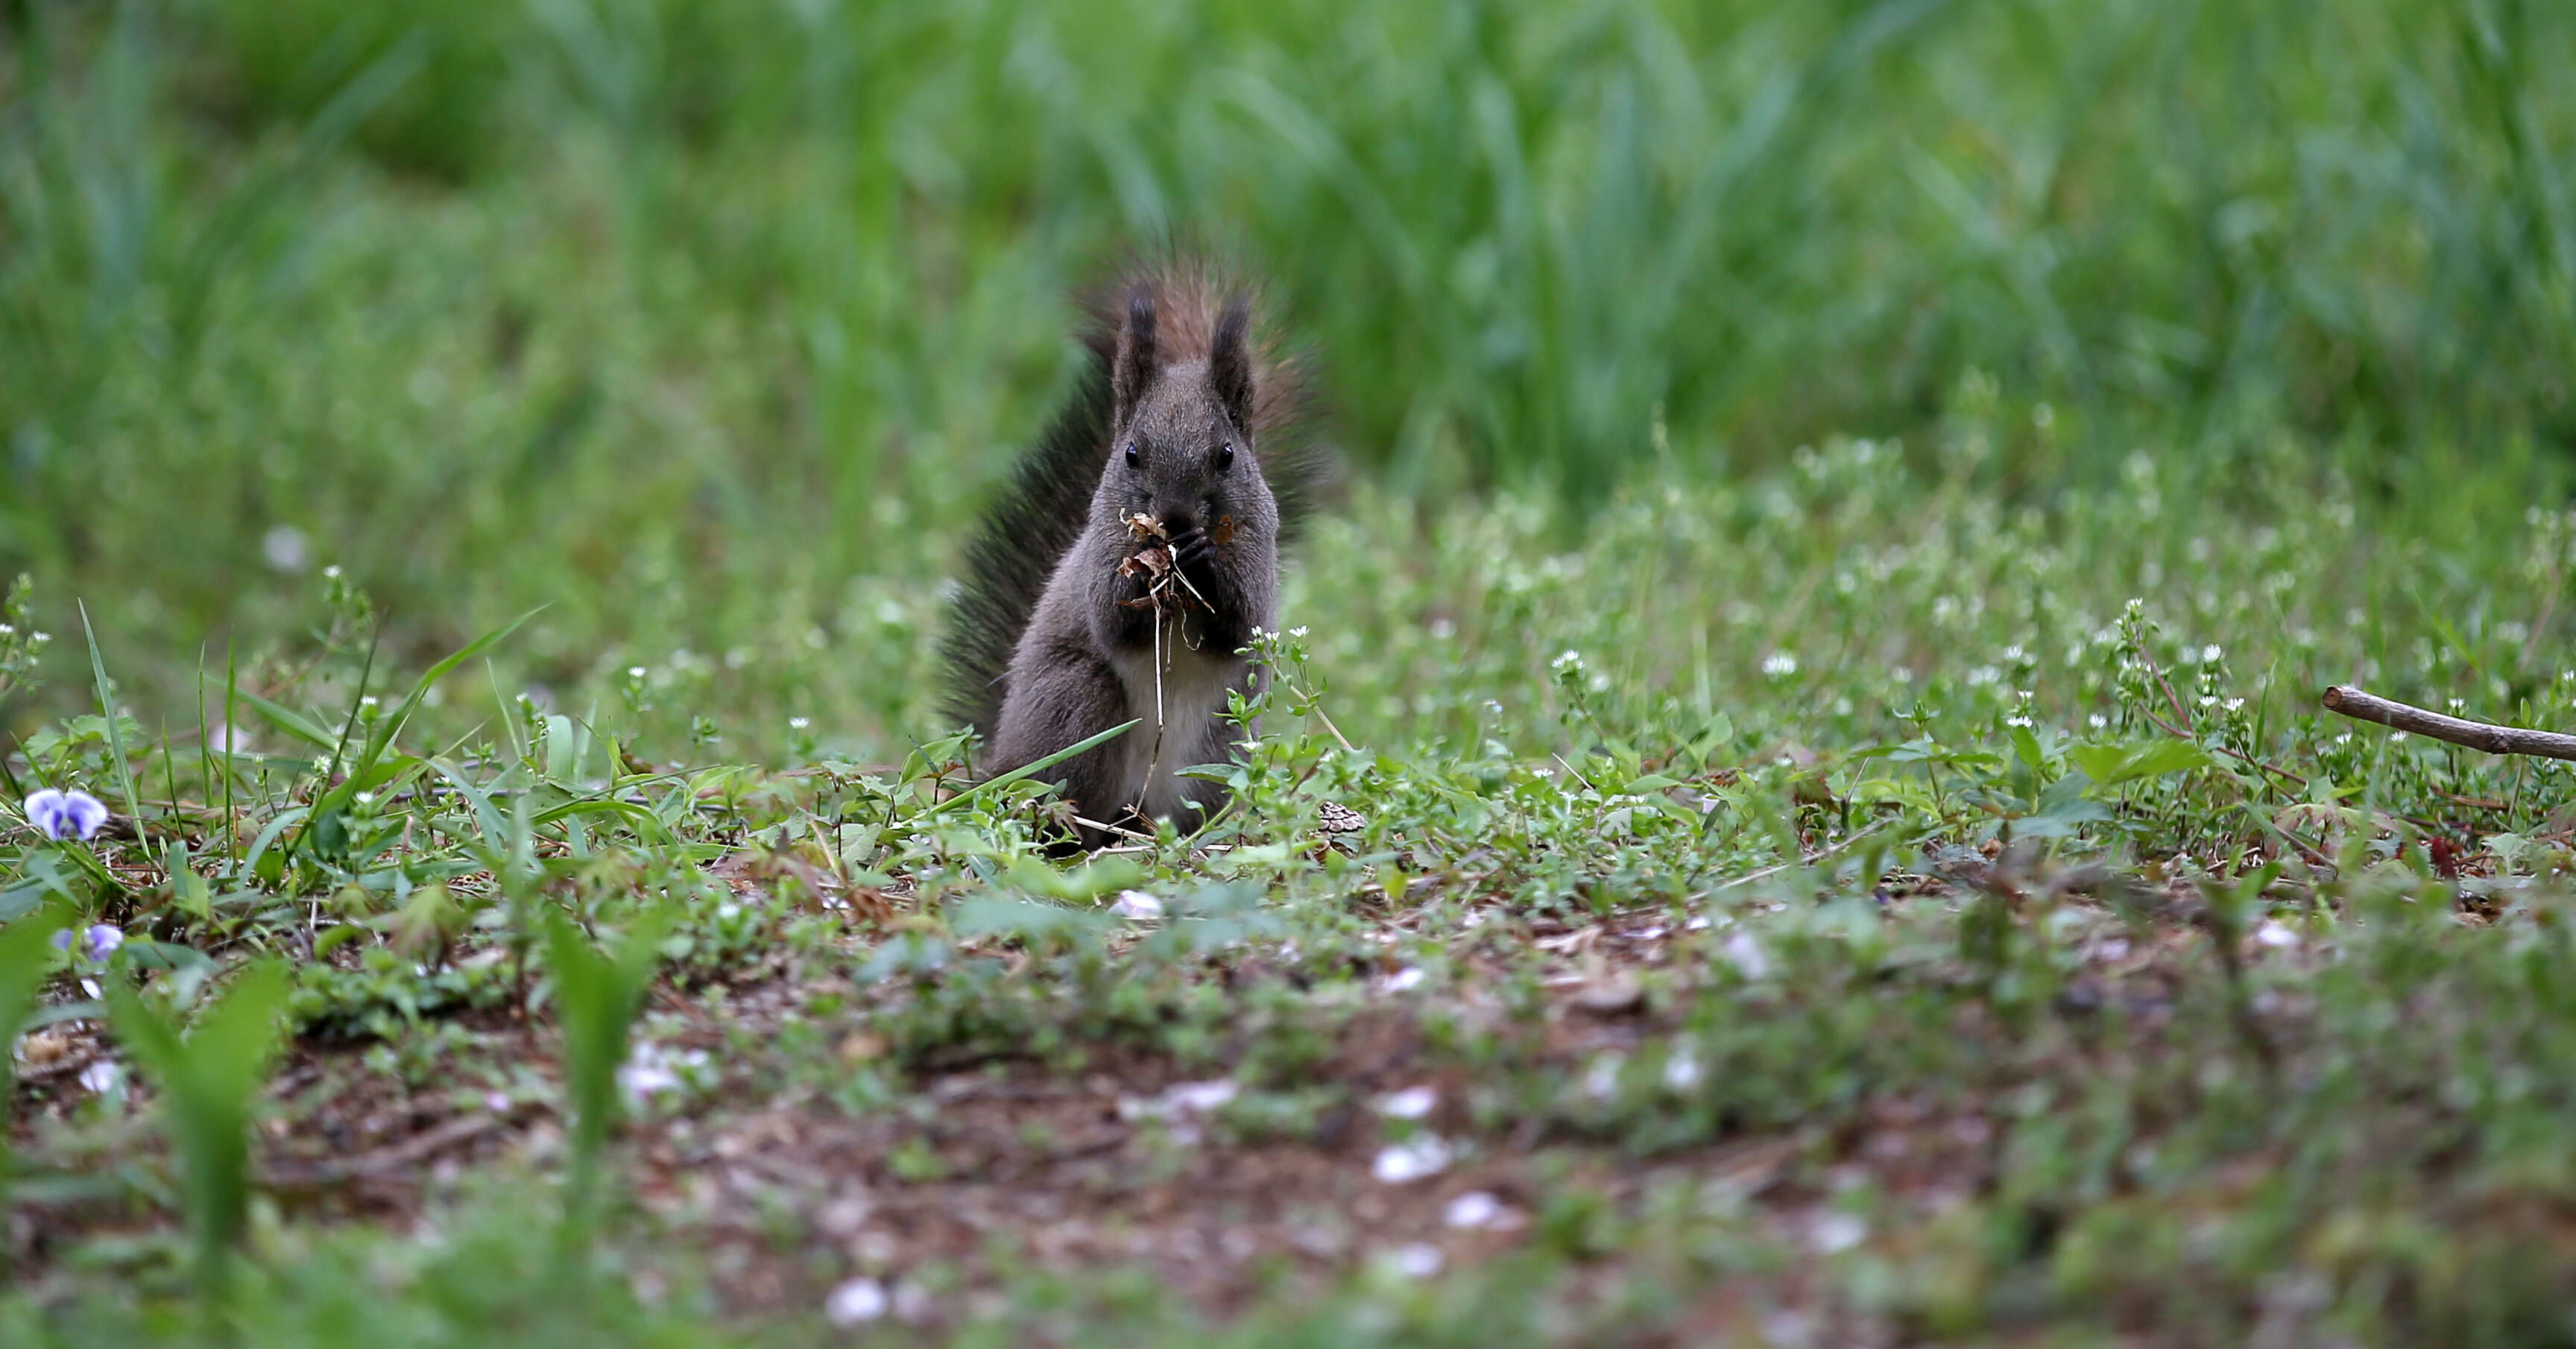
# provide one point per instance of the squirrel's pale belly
(1194, 688)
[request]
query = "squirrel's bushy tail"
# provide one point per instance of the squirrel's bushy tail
(1045, 506)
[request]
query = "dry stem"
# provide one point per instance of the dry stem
(2478, 735)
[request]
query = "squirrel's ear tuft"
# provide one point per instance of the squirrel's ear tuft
(1133, 369)
(1230, 363)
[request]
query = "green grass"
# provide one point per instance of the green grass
(704, 325)
(2275, 1062)
(1853, 506)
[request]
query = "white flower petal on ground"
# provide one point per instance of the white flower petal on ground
(1415, 1260)
(2275, 933)
(1201, 1096)
(1747, 955)
(102, 1077)
(1681, 1068)
(1476, 1208)
(650, 1070)
(1187, 1098)
(1410, 1103)
(1411, 1160)
(857, 1302)
(1137, 905)
(1410, 977)
(1836, 1232)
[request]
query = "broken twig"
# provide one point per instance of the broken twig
(2360, 706)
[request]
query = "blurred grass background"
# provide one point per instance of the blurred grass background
(707, 324)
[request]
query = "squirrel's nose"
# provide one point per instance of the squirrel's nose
(1178, 517)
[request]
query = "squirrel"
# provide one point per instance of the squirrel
(1135, 551)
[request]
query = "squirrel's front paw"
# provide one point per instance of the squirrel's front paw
(1193, 551)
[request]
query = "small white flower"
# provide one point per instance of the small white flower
(2211, 655)
(1411, 1160)
(1681, 1069)
(284, 548)
(1200, 1097)
(1779, 664)
(1409, 977)
(635, 672)
(799, 723)
(1836, 1232)
(1747, 955)
(1136, 905)
(650, 1070)
(1410, 1103)
(1415, 1260)
(1601, 1079)
(2274, 933)
(1297, 631)
(102, 1077)
(1476, 1208)
(856, 1302)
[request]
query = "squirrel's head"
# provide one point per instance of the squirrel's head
(1183, 449)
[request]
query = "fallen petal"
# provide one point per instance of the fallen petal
(1411, 1160)
(1415, 1260)
(1137, 905)
(1476, 1208)
(1410, 1103)
(858, 1301)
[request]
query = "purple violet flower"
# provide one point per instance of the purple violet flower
(75, 813)
(98, 943)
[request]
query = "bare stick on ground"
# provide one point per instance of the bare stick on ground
(2360, 706)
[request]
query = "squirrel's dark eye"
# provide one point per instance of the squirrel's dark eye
(1135, 457)
(1225, 456)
